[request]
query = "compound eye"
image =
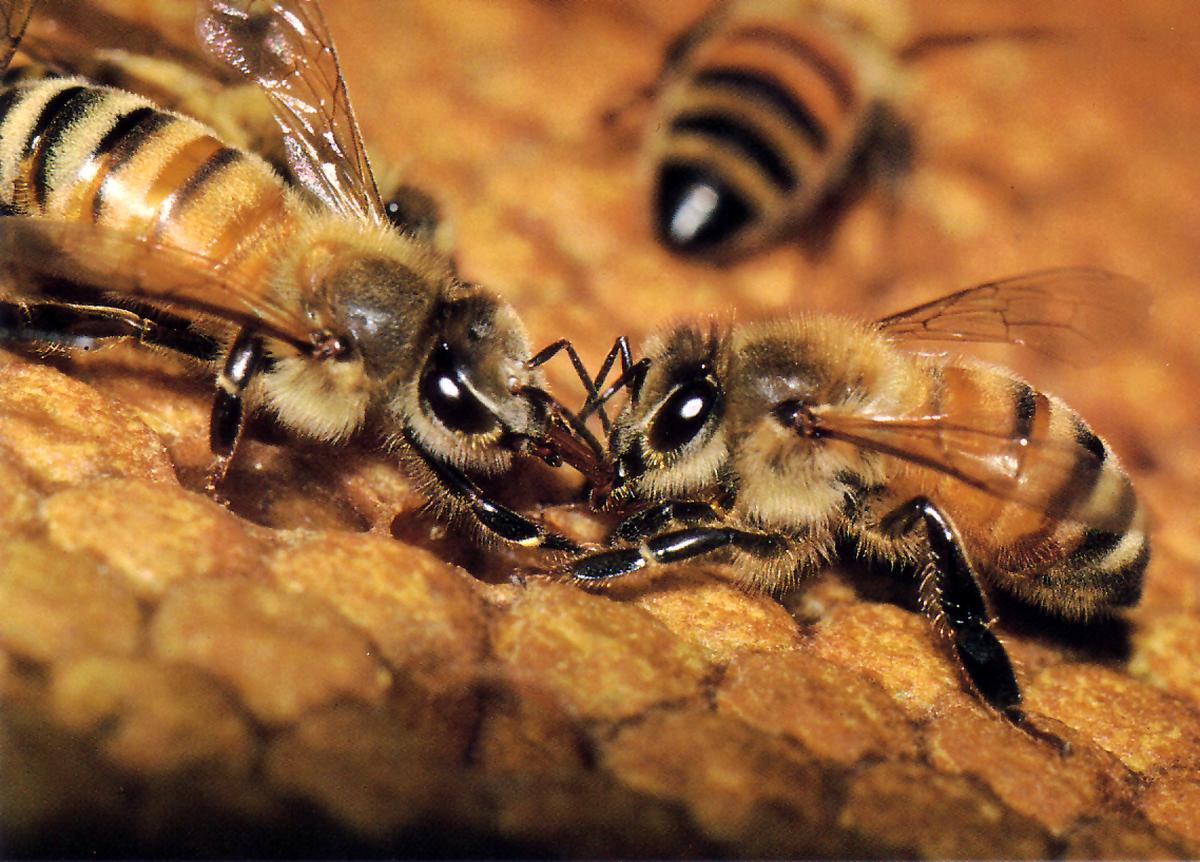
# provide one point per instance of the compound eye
(444, 390)
(683, 415)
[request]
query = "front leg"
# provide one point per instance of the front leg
(494, 518)
(655, 519)
(954, 601)
(245, 359)
(673, 547)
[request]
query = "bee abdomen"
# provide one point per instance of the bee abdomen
(40, 123)
(754, 127)
(1096, 545)
(60, 113)
(1104, 534)
(1073, 537)
(79, 152)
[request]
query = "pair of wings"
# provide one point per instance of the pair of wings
(284, 47)
(1074, 315)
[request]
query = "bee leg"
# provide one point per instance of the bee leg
(498, 520)
(673, 547)
(85, 327)
(655, 519)
(245, 359)
(955, 602)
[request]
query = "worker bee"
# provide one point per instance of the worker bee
(125, 221)
(768, 444)
(771, 114)
(150, 57)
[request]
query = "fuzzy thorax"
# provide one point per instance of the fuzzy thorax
(374, 289)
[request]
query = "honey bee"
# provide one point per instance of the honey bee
(771, 114)
(125, 221)
(766, 445)
(69, 38)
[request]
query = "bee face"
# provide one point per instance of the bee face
(669, 439)
(470, 400)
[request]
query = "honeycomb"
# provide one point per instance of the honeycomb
(323, 669)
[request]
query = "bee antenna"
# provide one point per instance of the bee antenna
(564, 344)
(632, 378)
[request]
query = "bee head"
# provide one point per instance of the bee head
(445, 364)
(473, 405)
(668, 439)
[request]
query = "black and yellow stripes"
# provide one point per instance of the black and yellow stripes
(40, 121)
(62, 111)
(74, 151)
(761, 115)
(1072, 535)
(1107, 546)
(118, 144)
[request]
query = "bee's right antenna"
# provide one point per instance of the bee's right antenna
(620, 348)
(631, 378)
(550, 351)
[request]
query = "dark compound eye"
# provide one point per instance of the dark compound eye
(444, 390)
(683, 415)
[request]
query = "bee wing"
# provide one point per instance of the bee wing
(16, 16)
(1049, 474)
(138, 268)
(1075, 315)
(68, 35)
(285, 47)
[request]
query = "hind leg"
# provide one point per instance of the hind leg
(952, 597)
(73, 326)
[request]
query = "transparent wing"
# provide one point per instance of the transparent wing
(1075, 315)
(285, 47)
(131, 266)
(16, 17)
(1045, 473)
(69, 34)
(152, 50)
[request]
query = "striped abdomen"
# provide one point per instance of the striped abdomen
(1072, 537)
(759, 123)
(73, 151)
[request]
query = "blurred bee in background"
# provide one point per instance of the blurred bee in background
(154, 54)
(771, 115)
(767, 445)
(125, 221)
